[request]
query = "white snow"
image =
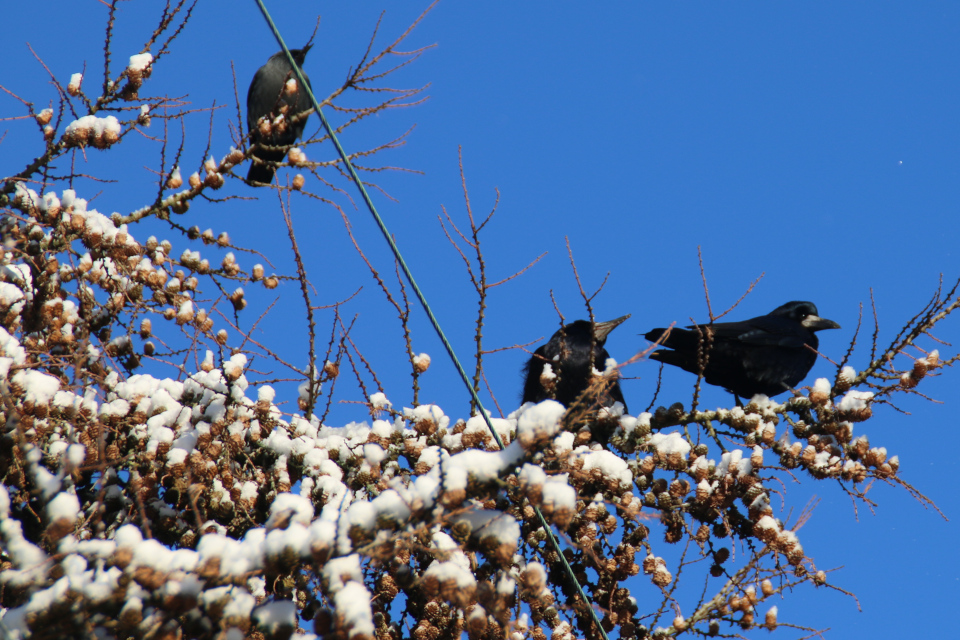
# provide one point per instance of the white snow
(139, 62)
(426, 413)
(610, 465)
(538, 421)
(559, 496)
(266, 393)
(443, 571)
(338, 572)
(379, 401)
(278, 613)
(97, 125)
(486, 523)
(822, 386)
(353, 604)
(855, 400)
(39, 387)
(848, 374)
(487, 465)
(373, 454)
(64, 505)
(421, 361)
(532, 476)
(733, 462)
(768, 523)
(670, 443)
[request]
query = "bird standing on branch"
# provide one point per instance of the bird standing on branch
(768, 354)
(564, 368)
(273, 103)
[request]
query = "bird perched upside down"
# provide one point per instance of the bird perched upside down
(573, 354)
(768, 354)
(269, 97)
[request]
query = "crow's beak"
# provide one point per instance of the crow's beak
(816, 323)
(602, 329)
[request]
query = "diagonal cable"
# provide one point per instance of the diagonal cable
(302, 84)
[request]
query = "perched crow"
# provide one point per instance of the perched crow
(573, 353)
(268, 96)
(765, 355)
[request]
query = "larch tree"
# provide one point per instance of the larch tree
(156, 485)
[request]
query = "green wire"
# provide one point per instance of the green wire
(302, 83)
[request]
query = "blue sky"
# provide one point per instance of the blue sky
(816, 143)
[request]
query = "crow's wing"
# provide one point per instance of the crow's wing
(766, 331)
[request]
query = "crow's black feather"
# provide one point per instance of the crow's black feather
(767, 354)
(573, 353)
(267, 96)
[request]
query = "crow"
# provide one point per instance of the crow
(572, 353)
(768, 354)
(270, 96)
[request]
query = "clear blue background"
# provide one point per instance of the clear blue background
(814, 142)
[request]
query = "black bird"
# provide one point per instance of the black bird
(767, 354)
(268, 96)
(573, 353)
